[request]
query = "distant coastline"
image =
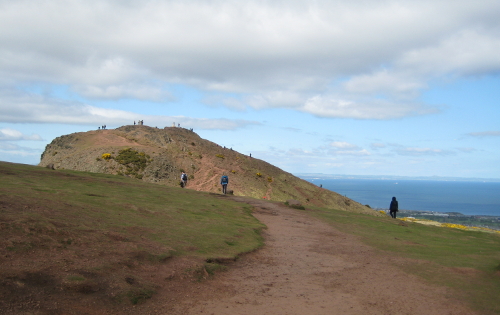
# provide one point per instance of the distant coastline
(394, 177)
(470, 198)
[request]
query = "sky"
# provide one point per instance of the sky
(405, 88)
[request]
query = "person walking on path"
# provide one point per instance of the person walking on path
(184, 179)
(393, 208)
(224, 180)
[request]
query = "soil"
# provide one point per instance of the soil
(308, 267)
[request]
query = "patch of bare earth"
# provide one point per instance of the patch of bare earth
(308, 267)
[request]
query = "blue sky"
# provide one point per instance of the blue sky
(401, 88)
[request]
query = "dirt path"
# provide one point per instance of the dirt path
(307, 267)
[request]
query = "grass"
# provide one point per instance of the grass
(47, 211)
(188, 222)
(87, 232)
(466, 261)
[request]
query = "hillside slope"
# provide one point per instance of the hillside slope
(159, 155)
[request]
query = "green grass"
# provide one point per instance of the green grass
(466, 261)
(188, 222)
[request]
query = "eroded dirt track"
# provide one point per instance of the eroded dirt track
(308, 267)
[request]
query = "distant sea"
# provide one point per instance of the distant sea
(466, 197)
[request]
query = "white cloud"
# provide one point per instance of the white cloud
(345, 59)
(17, 107)
(300, 152)
(376, 146)
(364, 109)
(114, 92)
(13, 149)
(8, 134)
(343, 145)
(345, 148)
(467, 150)
(483, 134)
(384, 81)
(466, 52)
(422, 151)
(353, 152)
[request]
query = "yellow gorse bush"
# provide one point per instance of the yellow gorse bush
(106, 156)
(449, 225)
(454, 226)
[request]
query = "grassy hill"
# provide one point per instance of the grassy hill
(159, 155)
(71, 239)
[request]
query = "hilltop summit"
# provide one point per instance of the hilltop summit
(160, 155)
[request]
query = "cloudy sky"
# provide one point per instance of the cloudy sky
(336, 87)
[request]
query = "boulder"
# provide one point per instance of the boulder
(293, 202)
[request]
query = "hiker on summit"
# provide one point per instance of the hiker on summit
(393, 208)
(224, 180)
(184, 179)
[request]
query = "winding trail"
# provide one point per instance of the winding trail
(308, 267)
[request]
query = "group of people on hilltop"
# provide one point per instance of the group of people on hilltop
(102, 127)
(139, 122)
(224, 181)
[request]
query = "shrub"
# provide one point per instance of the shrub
(106, 156)
(270, 179)
(133, 161)
(259, 174)
(298, 207)
(220, 156)
(233, 171)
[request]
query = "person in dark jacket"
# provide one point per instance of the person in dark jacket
(393, 208)
(224, 180)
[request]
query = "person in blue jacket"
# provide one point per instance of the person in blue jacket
(224, 180)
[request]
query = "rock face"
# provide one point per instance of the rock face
(160, 155)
